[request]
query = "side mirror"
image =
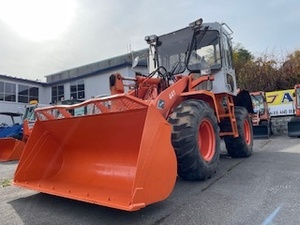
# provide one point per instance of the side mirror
(138, 66)
(135, 62)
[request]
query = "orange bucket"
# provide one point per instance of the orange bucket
(10, 149)
(120, 156)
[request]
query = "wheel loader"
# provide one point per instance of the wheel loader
(13, 142)
(261, 120)
(294, 124)
(128, 149)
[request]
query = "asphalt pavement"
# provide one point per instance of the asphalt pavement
(262, 189)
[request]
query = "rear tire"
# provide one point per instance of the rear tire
(195, 138)
(241, 146)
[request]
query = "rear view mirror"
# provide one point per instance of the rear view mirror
(135, 62)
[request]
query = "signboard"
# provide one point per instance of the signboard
(281, 103)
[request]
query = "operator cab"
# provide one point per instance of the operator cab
(201, 48)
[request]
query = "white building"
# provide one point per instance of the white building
(79, 83)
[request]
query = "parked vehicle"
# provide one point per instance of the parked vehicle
(261, 119)
(126, 151)
(294, 124)
(13, 138)
(11, 144)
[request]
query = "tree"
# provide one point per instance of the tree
(243, 63)
(267, 72)
(290, 69)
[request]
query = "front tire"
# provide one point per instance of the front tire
(241, 146)
(195, 138)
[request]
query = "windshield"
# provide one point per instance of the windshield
(172, 50)
(205, 51)
(29, 113)
(258, 103)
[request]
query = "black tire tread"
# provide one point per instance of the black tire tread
(184, 120)
(237, 147)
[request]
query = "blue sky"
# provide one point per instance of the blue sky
(43, 37)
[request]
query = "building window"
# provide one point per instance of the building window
(57, 93)
(9, 92)
(27, 93)
(77, 90)
(1, 91)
